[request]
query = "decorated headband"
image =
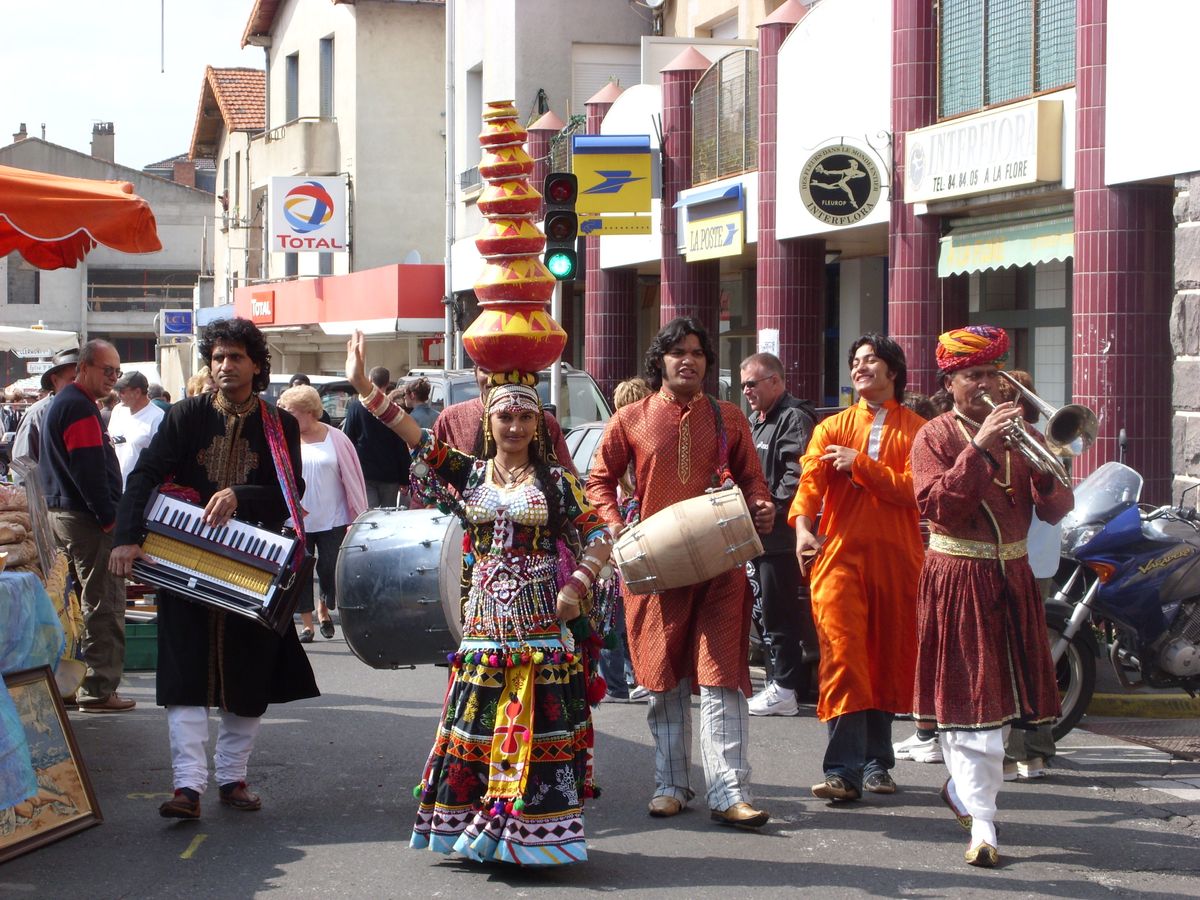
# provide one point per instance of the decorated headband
(975, 345)
(517, 398)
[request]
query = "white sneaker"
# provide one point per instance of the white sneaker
(774, 700)
(1034, 767)
(638, 694)
(1011, 772)
(919, 750)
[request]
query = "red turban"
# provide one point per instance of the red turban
(975, 345)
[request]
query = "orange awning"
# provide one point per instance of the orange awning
(53, 221)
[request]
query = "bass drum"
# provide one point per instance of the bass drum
(397, 577)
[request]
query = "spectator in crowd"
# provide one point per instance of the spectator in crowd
(27, 443)
(417, 392)
(159, 397)
(81, 482)
(865, 565)
(334, 496)
(201, 383)
(682, 442)
(382, 454)
(107, 404)
(134, 422)
(302, 380)
(781, 426)
(615, 664)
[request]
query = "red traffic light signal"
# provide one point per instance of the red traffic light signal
(560, 191)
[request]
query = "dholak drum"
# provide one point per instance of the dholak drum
(687, 543)
(398, 586)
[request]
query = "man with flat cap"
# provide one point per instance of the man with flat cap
(134, 421)
(983, 661)
(28, 440)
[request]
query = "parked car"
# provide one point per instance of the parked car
(579, 399)
(335, 392)
(583, 441)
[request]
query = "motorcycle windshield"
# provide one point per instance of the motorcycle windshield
(1110, 489)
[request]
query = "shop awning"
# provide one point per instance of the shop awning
(977, 249)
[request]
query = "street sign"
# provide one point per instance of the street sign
(32, 352)
(614, 173)
(37, 367)
(595, 226)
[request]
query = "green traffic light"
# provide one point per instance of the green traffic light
(561, 265)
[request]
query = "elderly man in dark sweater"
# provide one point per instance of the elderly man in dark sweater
(382, 454)
(82, 485)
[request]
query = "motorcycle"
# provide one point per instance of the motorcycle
(1130, 573)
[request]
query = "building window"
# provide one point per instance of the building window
(725, 118)
(326, 111)
(996, 51)
(291, 265)
(324, 263)
(24, 282)
(291, 88)
(139, 290)
(237, 184)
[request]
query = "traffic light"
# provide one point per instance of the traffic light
(560, 191)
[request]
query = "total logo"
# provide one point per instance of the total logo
(307, 208)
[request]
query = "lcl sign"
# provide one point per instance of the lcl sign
(262, 307)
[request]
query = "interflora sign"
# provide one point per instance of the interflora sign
(839, 185)
(1011, 147)
(308, 215)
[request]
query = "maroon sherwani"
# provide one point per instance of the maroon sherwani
(983, 658)
(458, 425)
(698, 632)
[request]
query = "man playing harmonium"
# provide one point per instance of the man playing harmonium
(216, 450)
(680, 443)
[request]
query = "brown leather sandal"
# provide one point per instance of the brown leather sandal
(236, 795)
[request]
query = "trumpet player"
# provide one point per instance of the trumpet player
(983, 662)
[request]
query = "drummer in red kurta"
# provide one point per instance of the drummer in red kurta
(695, 634)
(856, 474)
(984, 661)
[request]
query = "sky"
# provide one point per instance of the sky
(71, 63)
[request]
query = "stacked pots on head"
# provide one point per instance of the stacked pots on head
(514, 331)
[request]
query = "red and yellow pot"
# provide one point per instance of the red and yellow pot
(514, 337)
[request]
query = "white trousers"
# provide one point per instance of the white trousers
(724, 732)
(976, 763)
(188, 728)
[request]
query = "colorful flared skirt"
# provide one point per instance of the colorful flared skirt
(511, 764)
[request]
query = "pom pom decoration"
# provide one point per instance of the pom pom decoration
(596, 690)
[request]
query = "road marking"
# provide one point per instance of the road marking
(193, 846)
(147, 796)
(1184, 789)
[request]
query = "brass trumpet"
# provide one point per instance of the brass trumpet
(1068, 428)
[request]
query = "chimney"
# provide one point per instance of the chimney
(185, 173)
(20, 135)
(104, 142)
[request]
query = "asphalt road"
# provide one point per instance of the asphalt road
(336, 775)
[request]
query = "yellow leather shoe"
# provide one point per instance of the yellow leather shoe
(663, 807)
(742, 815)
(983, 855)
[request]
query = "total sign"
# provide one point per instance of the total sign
(308, 215)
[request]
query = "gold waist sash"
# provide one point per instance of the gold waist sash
(953, 546)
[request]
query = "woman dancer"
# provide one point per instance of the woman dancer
(511, 764)
(334, 496)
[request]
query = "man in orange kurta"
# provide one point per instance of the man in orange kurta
(697, 633)
(857, 475)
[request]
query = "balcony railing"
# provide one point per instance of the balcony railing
(305, 146)
(725, 118)
(469, 179)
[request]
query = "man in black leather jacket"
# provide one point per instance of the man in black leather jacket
(781, 425)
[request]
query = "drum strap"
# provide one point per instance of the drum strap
(722, 477)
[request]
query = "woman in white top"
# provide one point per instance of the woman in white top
(334, 496)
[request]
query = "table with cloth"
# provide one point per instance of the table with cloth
(30, 636)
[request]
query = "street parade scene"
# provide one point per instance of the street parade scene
(784, 482)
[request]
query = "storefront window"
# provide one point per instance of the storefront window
(997, 51)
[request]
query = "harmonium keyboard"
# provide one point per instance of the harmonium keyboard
(240, 568)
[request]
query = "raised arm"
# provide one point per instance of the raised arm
(373, 399)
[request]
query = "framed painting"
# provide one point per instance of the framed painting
(64, 802)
